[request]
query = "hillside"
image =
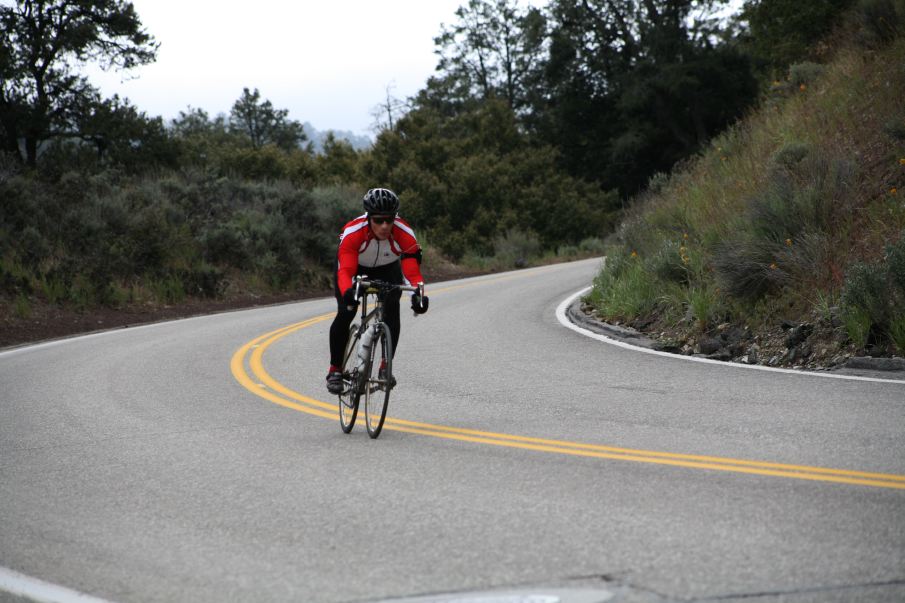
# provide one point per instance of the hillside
(782, 243)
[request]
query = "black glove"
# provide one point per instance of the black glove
(420, 303)
(349, 297)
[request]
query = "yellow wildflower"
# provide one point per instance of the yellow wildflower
(789, 242)
(685, 235)
(772, 266)
(893, 191)
(802, 87)
(902, 161)
(634, 253)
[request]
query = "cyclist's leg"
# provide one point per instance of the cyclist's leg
(339, 333)
(339, 330)
(391, 316)
(391, 273)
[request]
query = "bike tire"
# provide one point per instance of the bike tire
(377, 392)
(349, 398)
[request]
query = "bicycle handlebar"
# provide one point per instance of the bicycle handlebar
(361, 282)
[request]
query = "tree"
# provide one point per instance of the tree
(470, 178)
(781, 32)
(632, 86)
(386, 113)
(122, 134)
(494, 50)
(339, 163)
(261, 124)
(43, 41)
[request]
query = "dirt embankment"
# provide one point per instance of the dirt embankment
(45, 321)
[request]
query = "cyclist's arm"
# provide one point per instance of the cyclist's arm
(412, 270)
(411, 252)
(348, 263)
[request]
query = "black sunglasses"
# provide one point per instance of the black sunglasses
(383, 219)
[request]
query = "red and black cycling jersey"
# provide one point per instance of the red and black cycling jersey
(358, 247)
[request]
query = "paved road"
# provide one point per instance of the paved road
(151, 464)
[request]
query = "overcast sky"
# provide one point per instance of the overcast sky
(328, 62)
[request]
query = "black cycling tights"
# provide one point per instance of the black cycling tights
(339, 330)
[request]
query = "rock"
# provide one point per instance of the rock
(723, 355)
(736, 349)
(773, 361)
(798, 334)
(753, 352)
(668, 346)
(708, 345)
(875, 351)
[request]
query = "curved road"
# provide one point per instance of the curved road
(200, 460)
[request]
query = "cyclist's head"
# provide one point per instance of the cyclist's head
(381, 201)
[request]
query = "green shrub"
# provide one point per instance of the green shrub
(592, 245)
(857, 323)
(167, 290)
(704, 305)
(867, 291)
(53, 288)
(667, 263)
(657, 183)
(791, 154)
(203, 280)
(517, 248)
(625, 290)
(23, 307)
(567, 251)
(825, 305)
(805, 73)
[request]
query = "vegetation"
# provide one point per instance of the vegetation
(792, 214)
(543, 131)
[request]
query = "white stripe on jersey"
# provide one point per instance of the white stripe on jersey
(353, 228)
(405, 228)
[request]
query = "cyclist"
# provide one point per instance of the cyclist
(381, 245)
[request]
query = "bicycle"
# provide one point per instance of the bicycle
(365, 339)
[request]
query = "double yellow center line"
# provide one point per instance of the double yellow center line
(249, 359)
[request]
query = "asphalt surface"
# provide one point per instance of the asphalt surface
(140, 465)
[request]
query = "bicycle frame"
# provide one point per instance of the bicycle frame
(359, 359)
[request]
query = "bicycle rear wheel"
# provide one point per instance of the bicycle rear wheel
(351, 394)
(377, 392)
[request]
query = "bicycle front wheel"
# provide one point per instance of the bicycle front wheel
(377, 393)
(351, 394)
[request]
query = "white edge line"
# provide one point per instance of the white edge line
(564, 321)
(75, 337)
(15, 583)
